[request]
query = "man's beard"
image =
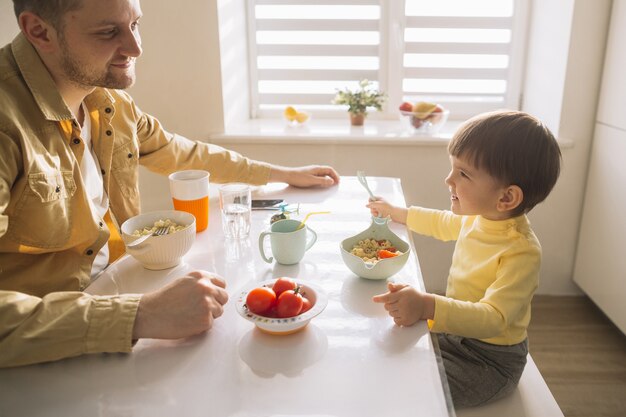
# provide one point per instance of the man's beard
(82, 77)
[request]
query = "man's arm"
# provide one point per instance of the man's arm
(62, 325)
(164, 153)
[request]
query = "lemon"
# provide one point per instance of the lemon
(301, 117)
(423, 109)
(290, 113)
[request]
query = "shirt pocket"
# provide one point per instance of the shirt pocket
(125, 167)
(43, 215)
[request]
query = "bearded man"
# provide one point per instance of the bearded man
(71, 141)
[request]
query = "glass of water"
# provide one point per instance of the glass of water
(236, 203)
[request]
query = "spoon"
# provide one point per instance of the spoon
(301, 225)
(363, 180)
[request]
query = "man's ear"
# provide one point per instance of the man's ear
(39, 32)
(511, 197)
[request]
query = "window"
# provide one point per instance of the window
(465, 54)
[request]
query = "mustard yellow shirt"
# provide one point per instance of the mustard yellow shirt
(49, 235)
(493, 276)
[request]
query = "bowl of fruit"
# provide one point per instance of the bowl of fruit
(295, 118)
(281, 306)
(423, 117)
(376, 252)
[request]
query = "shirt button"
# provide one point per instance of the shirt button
(76, 141)
(101, 224)
(107, 110)
(57, 190)
(89, 252)
(109, 133)
(130, 155)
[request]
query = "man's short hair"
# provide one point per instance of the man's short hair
(513, 147)
(51, 11)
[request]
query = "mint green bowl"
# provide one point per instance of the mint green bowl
(383, 269)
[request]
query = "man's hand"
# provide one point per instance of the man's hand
(182, 308)
(405, 304)
(308, 176)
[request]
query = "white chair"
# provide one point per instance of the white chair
(532, 398)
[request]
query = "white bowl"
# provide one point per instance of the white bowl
(283, 326)
(160, 252)
(383, 269)
(429, 125)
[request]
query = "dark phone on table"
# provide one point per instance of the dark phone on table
(265, 203)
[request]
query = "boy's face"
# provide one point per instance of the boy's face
(473, 191)
(100, 42)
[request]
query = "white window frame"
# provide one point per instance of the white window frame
(391, 51)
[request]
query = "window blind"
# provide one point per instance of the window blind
(464, 54)
(302, 51)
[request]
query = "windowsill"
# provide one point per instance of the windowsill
(331, 131)
(338, 132)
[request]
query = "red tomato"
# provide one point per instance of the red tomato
(382, 254)
(306, 305)
(261, 300)
(283, 284)
(289, 303)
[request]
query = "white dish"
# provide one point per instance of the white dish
(160, 252)
(383, 269)
(283, 326)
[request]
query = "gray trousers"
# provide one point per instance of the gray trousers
(480, 372)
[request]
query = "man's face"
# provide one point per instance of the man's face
(100, 42)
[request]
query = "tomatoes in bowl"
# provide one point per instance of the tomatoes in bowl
(261, 300)
(313, 301)
(284, 298)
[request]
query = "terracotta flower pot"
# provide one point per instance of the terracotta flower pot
(357, 119)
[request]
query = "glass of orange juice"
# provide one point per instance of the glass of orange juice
(190, 193)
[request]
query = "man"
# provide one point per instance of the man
(70, 145)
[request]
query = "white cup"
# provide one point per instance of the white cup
(235, 203)
(190, 193)
(288, 241)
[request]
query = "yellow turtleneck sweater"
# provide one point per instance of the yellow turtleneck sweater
(493, 276)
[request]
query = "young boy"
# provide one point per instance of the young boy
(503, 164)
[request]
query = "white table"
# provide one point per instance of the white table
(351, 360)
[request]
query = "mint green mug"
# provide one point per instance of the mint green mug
(288, 243)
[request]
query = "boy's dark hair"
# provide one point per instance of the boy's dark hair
(513, 147)
(51, 11)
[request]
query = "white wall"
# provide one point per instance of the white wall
(180, 80)
(8, 24)
(562, 87)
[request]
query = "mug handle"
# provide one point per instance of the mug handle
(261, 239)
(312, 241)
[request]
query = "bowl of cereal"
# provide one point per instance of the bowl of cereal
(376, 252)
(164, 251)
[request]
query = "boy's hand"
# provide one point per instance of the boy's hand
(403, 302)
(379, 207)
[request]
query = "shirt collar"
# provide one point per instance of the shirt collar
(42, 86)
(519, 223)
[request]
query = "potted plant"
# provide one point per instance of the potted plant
(358, 101)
